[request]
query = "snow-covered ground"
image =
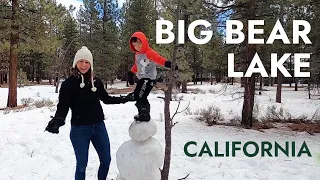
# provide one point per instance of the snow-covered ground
(29, 153)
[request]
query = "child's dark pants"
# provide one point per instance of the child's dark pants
(141, 92)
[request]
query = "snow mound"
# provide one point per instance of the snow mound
(141, 131)
(140, 160)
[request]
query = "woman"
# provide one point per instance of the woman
(82, 93)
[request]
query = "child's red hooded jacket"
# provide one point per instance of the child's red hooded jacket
(146, 59)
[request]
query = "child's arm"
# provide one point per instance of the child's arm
(154, 56)
(131, 73)
(134, 68)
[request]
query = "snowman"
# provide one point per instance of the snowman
(141, 157)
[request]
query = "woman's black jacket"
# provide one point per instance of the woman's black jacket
(84, 103)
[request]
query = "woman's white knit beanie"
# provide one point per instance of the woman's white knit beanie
(84, 53)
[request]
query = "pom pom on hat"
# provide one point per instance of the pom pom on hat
(94, 89)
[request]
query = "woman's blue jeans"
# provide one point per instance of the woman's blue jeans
(80, 137)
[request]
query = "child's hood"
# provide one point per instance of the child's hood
(144, 40)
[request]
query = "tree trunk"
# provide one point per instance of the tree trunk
(1, 78)
(260, 88)
(279, 74)
(57, 83)
(6, 78)
(247, 108)
(290, 65)
(128, 69)
(184, 87)
(38, 76)
(266, 81)
(309, 89)
(178, 86)
(33, 71)
(13, 64)
(211, 78)
(168, 127)
(249, 82)
(218, 78)
(38, 79)
(242, 81)
(279, 87)
(201, 77)
(168, 121)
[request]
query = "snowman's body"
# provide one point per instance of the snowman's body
(141, 157)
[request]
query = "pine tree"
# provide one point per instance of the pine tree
(98, 30)
(315, 39)
(13, 63)
(5, 13)
(109, 34)
(136, 15)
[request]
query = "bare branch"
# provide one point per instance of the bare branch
(176, 111)
(265, 15)
(184, 109)
(317, 52)
(3, 5)
(222, 11)
(161, 86)
(27, 9)
(184, 177)
(174, 124)
(164, 5)
(7, 17)
(170, 9)
(241, 96)
(314, 2)
(224, 7)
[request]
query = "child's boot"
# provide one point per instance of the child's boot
(144, 113)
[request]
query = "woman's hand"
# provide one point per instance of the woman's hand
(54, 125)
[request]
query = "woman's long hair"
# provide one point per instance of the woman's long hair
(76, 73)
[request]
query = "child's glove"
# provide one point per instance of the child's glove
(168, 65)
(54, 125)
(127, 98)
(130, 77)
(130, 97)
